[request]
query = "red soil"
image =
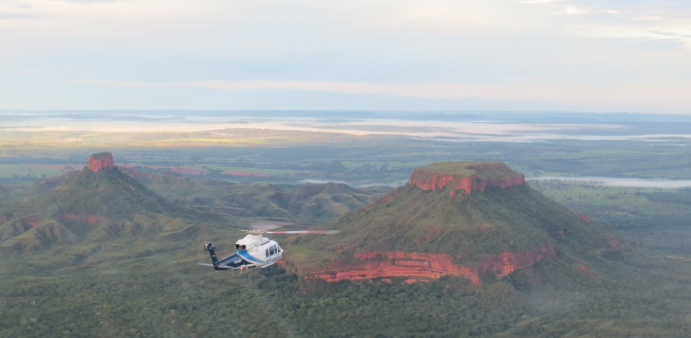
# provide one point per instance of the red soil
(415, 267)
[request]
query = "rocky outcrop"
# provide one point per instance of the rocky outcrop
(432, 181)
(507, 262)
(409, 265)
(465, 176)
(415, 267)
(101, 161)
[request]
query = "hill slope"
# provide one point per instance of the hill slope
(307, 203)
(101, 204)
(432, 227)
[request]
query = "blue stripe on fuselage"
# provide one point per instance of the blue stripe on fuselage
(246, 256)
(233, 261)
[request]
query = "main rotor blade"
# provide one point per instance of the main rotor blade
(289, 232)
(243, 230)
(309, 232)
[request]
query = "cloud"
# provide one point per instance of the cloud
(424, 90)
(570, 10)
(19, 16)
(539, 1)
(407, 51)
(670, 34)
(88, 1)
(645, 18)
(560, 92)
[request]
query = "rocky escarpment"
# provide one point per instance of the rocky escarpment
(101, 161)
(414, 267)
(465, 176)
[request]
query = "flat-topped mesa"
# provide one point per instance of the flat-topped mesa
(100, 161)
(466, 176)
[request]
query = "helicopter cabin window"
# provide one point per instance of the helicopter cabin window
(267, 252)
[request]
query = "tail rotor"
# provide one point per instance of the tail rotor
(211, 249)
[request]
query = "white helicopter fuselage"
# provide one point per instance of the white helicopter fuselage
(254, 250)
(259, 250)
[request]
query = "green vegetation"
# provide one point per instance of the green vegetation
(302, 204)
(19, 172)
(93, 207)
(468, 228)
(133, 274)
(292, 156)
(165, 295)
(655, 218)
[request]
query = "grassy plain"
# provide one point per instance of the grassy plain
(294, 155)
(658, 219)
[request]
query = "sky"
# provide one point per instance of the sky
(388, 55)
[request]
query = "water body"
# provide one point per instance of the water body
(448, 131)
(620, 182)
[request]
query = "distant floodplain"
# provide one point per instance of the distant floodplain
(620, 182)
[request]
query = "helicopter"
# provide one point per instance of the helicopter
(254, 250)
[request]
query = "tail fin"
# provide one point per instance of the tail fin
(210, 248)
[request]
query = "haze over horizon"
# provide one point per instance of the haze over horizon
(544, 55)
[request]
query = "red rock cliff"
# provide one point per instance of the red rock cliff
(465, 176)
(415, 267)
(100, 161)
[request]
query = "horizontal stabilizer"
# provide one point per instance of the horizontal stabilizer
(220, 267)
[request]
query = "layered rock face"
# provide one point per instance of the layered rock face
(101, 161)
(465, 176)
(414, 267)
(409, 265)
